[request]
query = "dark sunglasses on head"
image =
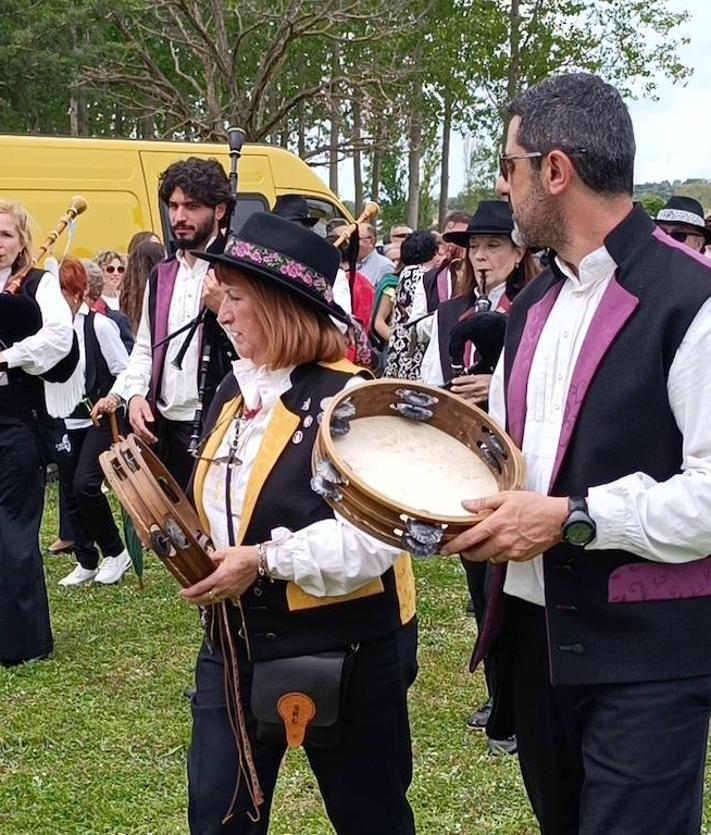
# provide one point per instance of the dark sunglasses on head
(111, 269)
(682, 236)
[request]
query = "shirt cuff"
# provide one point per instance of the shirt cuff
(13, 357)
(607, 509)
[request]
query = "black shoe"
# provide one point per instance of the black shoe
(478, 719)
(497, 747)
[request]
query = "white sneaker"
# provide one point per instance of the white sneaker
(112, 569)
(79, 576)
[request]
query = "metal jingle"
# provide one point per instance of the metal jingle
(489, 457)
(494, 442)
(417, 398)
(175, 534)
(325, 489)
(417, 413)
(425, 533)
(418, 549)
(345, 410)
(340, 427)
(328, 472)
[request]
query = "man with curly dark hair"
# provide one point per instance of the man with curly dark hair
(162, 399)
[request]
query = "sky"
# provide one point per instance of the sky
(673, 133)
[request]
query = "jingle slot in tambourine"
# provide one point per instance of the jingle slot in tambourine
(164, 519)
(396, 458)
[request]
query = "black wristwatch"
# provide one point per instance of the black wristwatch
(578, 528)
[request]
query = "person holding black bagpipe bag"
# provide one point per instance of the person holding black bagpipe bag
(40, 377)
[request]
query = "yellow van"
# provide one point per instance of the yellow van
(119, 178)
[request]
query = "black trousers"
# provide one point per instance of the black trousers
(363, 781)
(25, 630)
(172, 448)
(80, 479)
(612, 759)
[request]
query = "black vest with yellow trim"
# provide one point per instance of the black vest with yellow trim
(283, 620)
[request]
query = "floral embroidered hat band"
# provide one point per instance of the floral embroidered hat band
(286, 255)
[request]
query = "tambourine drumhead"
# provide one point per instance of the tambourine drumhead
(415, 465)
(384, 470)
(161, 513)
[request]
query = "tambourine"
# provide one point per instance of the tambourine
(164, 519)
(396, 458)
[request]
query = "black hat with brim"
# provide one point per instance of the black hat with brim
(294, 207)
(684, 211)
(492, 217)
(285, 255)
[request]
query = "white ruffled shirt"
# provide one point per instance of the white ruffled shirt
(326, 558)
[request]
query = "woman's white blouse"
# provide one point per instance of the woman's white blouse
(325, 558)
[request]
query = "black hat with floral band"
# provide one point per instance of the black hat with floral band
(286, 255)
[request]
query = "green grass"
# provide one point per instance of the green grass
(94, 741)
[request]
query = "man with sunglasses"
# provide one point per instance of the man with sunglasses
(683, 219)
(600, 595)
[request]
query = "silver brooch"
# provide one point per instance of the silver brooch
(298, 437)
(308, 420)
(306, 405)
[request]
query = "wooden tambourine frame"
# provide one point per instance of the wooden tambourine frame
(378, 514)
(164, 519)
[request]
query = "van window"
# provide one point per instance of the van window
(325, 212)
(247, 204)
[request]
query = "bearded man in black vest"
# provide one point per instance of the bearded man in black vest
(601, 589)
(162, 398)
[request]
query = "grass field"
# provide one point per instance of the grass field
(94, 741)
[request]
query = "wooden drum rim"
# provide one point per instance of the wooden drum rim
(328, 450)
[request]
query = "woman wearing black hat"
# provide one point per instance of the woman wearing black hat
(311, 591)
(495, 269)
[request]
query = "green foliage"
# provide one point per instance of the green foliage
(652, 203)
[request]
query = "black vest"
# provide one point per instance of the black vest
(21, 317)
(625, 425)
(279, 619)
(98, 377)
(448, 314)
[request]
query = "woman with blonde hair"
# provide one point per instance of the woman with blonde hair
(39, 307)
(310, 588)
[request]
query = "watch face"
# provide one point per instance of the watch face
(579, 532)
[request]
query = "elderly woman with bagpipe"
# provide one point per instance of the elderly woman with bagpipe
(316, 596)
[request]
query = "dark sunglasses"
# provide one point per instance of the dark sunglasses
(508, 161)
(682, 236)
(111, 269)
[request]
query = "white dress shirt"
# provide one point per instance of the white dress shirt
(112, 302)
(431, 363)
(419, 309)
(112, 349)
(326, 558)
(38, 353)
(658, 521)
(178, 395)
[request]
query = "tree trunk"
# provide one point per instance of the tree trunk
(357, 158)
(335, 126)
(302, 131)
(375, 174)
(513, 78)
(444, 169)
(414, 157)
